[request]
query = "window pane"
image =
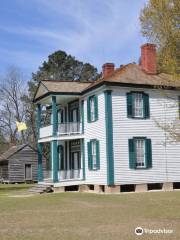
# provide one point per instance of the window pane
(92, 109)
(94, 164)
(138, 105)
(140, 153)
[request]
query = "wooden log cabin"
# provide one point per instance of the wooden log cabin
(19, 164)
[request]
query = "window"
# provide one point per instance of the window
(92, 109)
(94, 162)
(140, 153)
(93, 155)
(138, 105)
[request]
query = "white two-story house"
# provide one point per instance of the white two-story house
(104, 135)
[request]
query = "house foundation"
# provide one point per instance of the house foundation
(58, 189)
(83, 188)
(168, 186)
(112, 189)
(141, 188)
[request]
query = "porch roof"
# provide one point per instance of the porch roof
(47, 87)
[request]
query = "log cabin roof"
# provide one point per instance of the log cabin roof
(12, 150)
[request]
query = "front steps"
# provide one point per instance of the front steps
(40, 188)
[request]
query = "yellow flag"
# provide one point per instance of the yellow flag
(21, 126)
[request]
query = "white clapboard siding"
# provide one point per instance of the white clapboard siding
(172, 148)
(165, 160)
(96, 130)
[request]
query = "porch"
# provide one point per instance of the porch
(65, 164)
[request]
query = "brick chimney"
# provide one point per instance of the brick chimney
(148, 58)
(107, 69)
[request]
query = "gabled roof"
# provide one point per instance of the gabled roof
(12, 150)
(127, 75)
(50, 86)
(134, 74)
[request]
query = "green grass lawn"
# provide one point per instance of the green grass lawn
(76, 216)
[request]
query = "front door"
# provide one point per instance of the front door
(74, 121)
(76, 160)
(75, 115)
(76, 164)
(28, 172)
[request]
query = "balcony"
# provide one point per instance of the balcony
(64, 129)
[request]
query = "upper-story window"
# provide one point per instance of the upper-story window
(92, 108)
(138, 105)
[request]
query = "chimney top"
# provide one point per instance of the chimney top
(148, 58)
(108, 69)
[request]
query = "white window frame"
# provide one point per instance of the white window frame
(140, 153)
(138, 105)
(94, 156)
(92, 109)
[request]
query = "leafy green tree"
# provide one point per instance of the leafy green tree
(59, 66)
(160, 23)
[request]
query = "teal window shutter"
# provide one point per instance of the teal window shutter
(88, 110)
(97, 154)
(148, 151)
(96, 107)
(129, 105)
(58, 157)
(146, 105)
(132, 158)
(89, 146)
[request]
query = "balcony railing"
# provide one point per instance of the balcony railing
(69, 128)
(63, 129)
(45, 131)
(72, 174)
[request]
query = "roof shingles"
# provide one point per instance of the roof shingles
(127, 74)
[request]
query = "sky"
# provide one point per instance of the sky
(94, 31)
